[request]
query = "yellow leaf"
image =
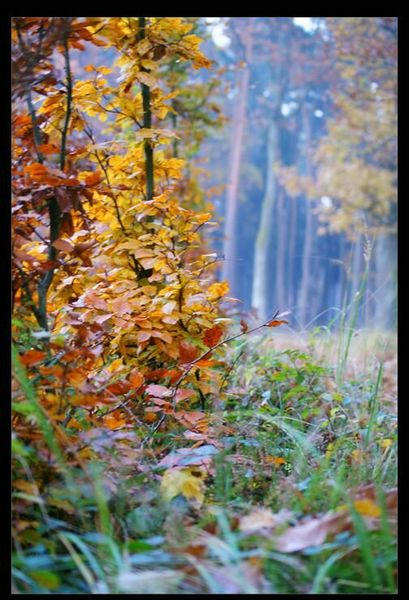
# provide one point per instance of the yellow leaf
(216, 290)
(186, 481)
(115, 364)
(367, 508)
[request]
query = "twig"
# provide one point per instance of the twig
(227, 375)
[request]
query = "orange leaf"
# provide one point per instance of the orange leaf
(276, 323)
(187, 352)
(276, 460)
(191, 418)
(32, 356)
(136, 379)
(113, 420)
(37, 171)
(55, 370)
(71, 182)
(207, 363)
(151, 417)
(212, 336)
(120, 387)
(93, 179)
(173, 374)
(76, 377)
(87, 400)
(48, 149)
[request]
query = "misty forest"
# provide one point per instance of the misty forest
(204, 305)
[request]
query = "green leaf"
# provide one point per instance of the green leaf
(46, 579)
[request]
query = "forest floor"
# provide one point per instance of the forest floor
(289, 488)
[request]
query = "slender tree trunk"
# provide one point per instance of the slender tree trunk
(356, 268)
(239, 123)
(147, 122)
(385, 282)
(280, 256)
(259, 299)
(305, 285)
(291, 251)
(54, 211)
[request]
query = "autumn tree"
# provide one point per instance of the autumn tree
(104, 232)
(356, 160)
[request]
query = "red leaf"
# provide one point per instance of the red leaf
(67, 225)
(173, 374)
(243, 326)
(212, 336)
(187, 352)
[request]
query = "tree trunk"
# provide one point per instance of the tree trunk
(239, 122)
(385, 282)
(291, 251)
(356, 266)
(280, 257)
(259, 299)
(304, 290)
(147, 122)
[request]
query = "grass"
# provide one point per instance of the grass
(292, 435)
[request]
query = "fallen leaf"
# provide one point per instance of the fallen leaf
(184, 457)
(264, 519)
(312, 533)
(183, 481)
